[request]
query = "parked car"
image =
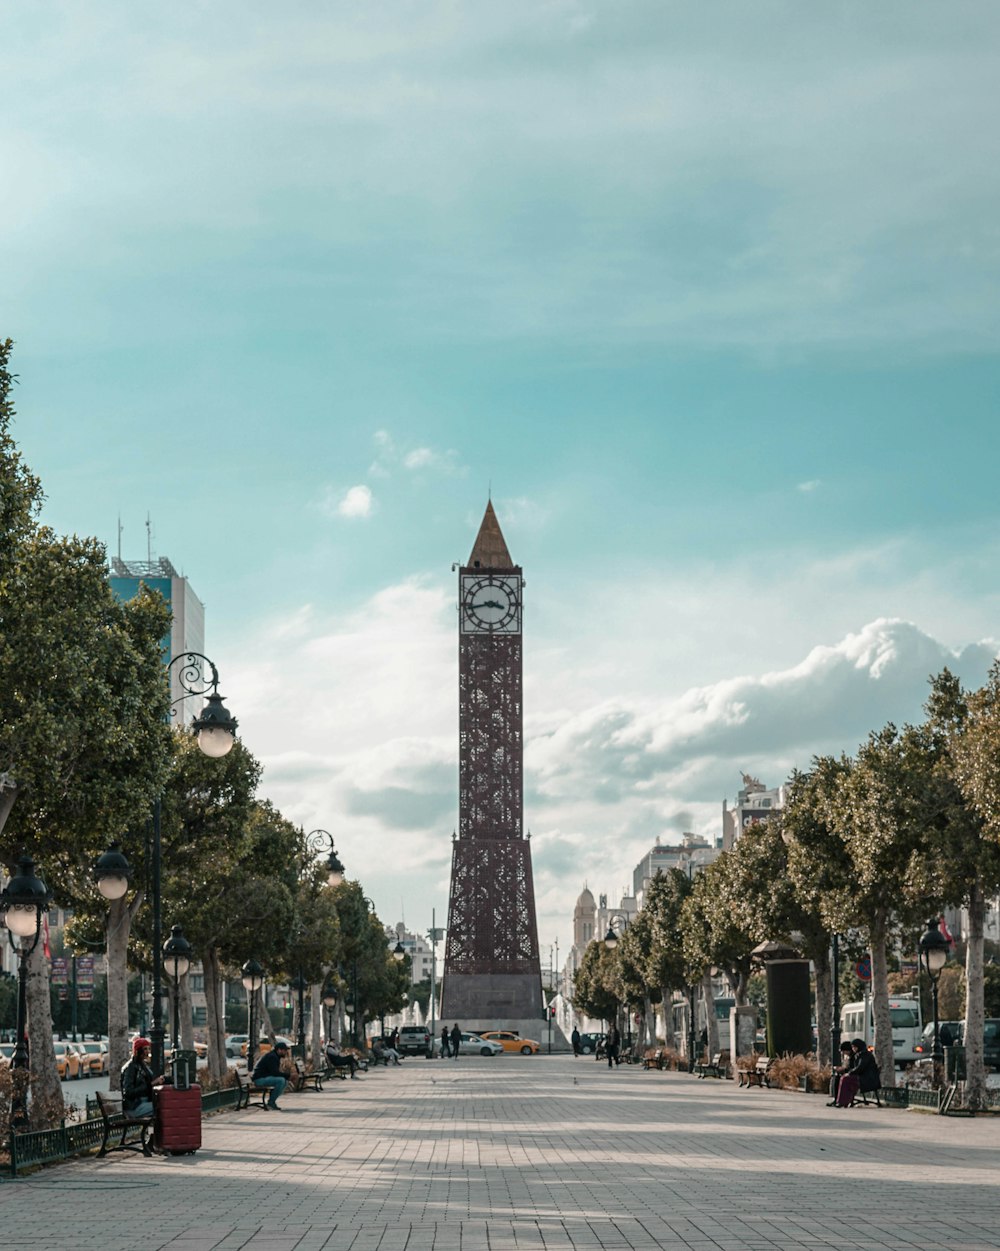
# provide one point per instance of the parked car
(415, 1040)
(949, 1031)
(475, 1045)
(69, 1061)
(265, 1044)
(6, 1053)
(589, 1043)
(511, 1041)
(94, 1056)
(236, 1045)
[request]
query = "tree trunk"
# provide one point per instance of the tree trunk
(262, 1018)
(47, 1106)
(118, 929)
(669, 1037)
(214, 1014)
(711, 1020)
(975, 1080)
(316, 1017)
(884, 1054)
(824, 1008)
(187, 1023)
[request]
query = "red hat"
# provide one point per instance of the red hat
(141, 1044)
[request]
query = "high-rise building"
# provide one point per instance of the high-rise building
(492, 973)
(187, 629)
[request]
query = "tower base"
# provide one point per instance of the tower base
(493, 1000)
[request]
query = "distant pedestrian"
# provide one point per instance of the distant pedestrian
(445, 1049)
(575, 1040)
(394, 1040)
(456, 1040)
(612, 1045)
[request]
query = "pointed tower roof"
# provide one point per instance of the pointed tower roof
(490, 550)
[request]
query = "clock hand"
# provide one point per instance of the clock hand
(489, 603)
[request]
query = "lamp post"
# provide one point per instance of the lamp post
(611, 939)
(215, 728)
(322, 840)
(299, 986)
(835, 1024)
(23, 900)
(692, 991)
(933, 956)
(329, 998)
(253, 980)
(177, 958)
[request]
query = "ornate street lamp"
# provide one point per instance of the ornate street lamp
(177, 958)
(329, 998)
(253, 980)
(399, 952)
(215, 728)
(112, 873)
(322, 840)
(617, 924)
(933, 957)
(23, 900)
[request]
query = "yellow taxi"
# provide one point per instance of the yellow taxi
(68, 1061)
(510, 1041)
(94, 1058)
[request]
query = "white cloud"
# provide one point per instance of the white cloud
(357, 730)
(356, 502)
(807, 487)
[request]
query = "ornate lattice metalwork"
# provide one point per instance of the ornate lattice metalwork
(491, 750)
(491, 920)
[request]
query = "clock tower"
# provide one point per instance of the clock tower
(492, 974)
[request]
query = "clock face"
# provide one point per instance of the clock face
(491, 604)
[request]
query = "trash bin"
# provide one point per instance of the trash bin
(954, 1063)
(184, 1069)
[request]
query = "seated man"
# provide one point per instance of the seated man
(384, 1053)
(337, 1060)
(268, 1073)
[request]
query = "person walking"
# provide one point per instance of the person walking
(445, 1049)
(268, 1073)
(611, 1046)
(456, 1040)
(575, 1040)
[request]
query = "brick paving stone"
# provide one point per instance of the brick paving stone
(539, 1154)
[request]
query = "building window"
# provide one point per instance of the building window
(200, 1016)
(197, 983)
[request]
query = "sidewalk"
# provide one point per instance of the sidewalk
(539, 1153)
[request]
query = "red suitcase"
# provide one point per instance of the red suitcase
(177, 1126)
(847, 1090)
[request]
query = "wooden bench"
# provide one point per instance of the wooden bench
(758, 1075)
(718, 1066)
(301, 1080)
(247, 1088)
(115, 1119)
(653, 1059)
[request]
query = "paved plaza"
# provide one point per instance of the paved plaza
(545, 1153)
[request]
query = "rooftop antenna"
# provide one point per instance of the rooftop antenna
(149, 539)
(120, 528)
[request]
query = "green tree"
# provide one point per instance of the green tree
(966, 733)
(82, 696)
(593, 984)
(665, 968)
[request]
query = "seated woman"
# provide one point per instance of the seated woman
(866, 1070)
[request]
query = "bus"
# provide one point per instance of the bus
(680, 1016)
(857, 1021)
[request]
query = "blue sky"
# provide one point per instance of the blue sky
(709, 305)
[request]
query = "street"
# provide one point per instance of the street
(535, 1153)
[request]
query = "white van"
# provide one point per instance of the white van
(907, 1026)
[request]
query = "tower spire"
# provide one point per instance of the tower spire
(490, 549)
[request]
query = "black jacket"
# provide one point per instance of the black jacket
(269, 1065)
(137, 1083)
(865, 1069)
